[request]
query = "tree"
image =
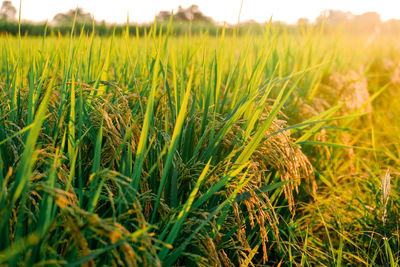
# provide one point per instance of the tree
(392, 26)
(367, 22)
(191, 13)
(8, 11)
(334, 17)
(303, 21)
(67, 18)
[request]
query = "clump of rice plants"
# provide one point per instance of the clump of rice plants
(200, 150)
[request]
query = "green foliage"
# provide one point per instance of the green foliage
(154, 149)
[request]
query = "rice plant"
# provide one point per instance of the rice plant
(206, 150)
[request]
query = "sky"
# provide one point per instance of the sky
(220, 10)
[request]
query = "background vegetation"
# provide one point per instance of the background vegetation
(188, 20)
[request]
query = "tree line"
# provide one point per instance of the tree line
(185, 20)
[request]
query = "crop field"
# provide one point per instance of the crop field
(239, 149)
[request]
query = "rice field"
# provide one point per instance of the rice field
(278, 149)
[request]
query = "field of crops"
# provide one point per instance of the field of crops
(200, 150)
